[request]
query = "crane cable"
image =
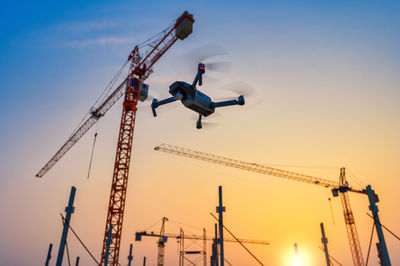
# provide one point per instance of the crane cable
(110, 85)
(80, 241)
(69, 259)
(153, 39)
(91, 156)
(387, 229)
(193, 241)
(238, 241)
(333, 217)
(355, 178)
(331, 258)
(103, 95)
(370, 242)
(66, 243)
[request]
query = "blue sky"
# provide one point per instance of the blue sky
(327, 74)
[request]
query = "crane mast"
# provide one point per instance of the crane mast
(352, 234)
(140, 69)
(161, 243)
(341, 187)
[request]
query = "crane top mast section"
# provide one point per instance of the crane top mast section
(141, 65)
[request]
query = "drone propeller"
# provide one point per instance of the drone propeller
(244, 89)
(208, 124)
(205, 54)
(240, 88)
(221, 66)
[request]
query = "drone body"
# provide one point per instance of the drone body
(194, 99)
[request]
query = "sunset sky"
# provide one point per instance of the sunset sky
(326, 77)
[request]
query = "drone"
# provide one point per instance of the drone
(194, 99)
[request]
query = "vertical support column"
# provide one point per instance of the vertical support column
(130, 257)
(68, 210)
(204, 247)
(381, 245)
(324, 241)
(181, 247)
(144, 261)
(77, 261)
(48, 255)
(109, 241)
(214, 257)
(220, 210)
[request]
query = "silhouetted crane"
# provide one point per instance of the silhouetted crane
(133, 89)
(340, 188)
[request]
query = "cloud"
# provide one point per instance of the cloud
(87, 26)
(103, 41)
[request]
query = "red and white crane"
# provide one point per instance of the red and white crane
(133, 89)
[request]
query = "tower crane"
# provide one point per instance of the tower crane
(133, 89)
(340, 188)
(163, 238)
(139, 235)
(161, 243)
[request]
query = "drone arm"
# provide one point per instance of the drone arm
(199, 76)
(239, 101)
(157, 103)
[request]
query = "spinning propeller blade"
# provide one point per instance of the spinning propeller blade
(221, 66)
(202, 53)
(245, 89)
(240, 88)
(205, 54)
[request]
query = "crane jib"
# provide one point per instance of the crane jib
(183, 28)
(259, 168)
(77, 134)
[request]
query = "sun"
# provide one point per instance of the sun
(298, 261)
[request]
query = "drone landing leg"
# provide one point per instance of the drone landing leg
(156, 103)
(198, 123)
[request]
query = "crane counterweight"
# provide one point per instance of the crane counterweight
(185, 26)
